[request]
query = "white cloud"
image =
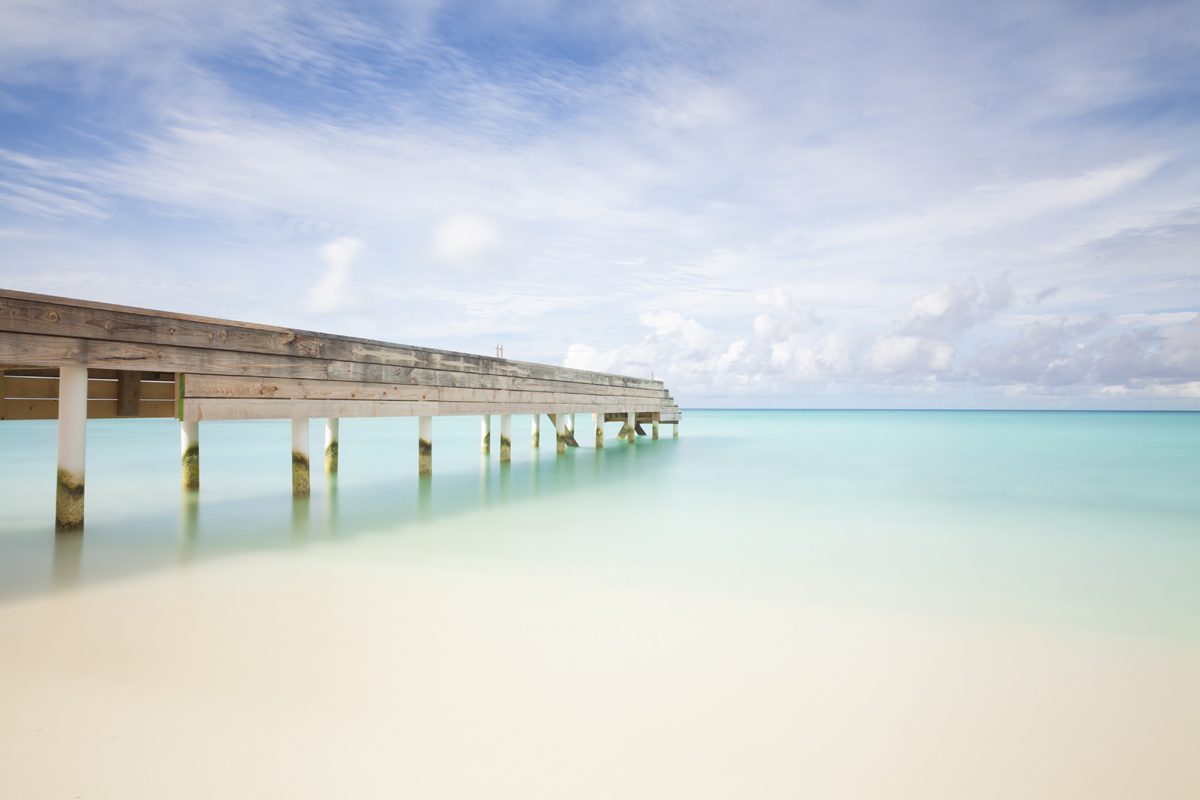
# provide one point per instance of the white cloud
(329, 293)
(464, 240)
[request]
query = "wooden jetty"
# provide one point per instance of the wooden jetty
(74, 360)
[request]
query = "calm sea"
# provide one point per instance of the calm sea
(1080, 519)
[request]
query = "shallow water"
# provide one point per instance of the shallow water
(774, 604)
(1088, 519)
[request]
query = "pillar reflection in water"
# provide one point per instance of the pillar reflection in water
(425, 498)
(485, 480)
(331, 504)
(68, 556)
(301, 508)
(505, 481)
(189, 522)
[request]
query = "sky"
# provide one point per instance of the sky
(764, 204)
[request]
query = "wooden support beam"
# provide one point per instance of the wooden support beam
(194, 409)
(129, 393)
(17, 408)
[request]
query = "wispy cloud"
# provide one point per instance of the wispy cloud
(569, 174)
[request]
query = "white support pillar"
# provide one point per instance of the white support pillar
(425, 446)
(72, 439)
(571, 425)
(676, 427)
(485, 434)
(331, 444)
(300, 476)
(560, 429)
(189, 449)
(598, 419)
(536, 431)
(654, 434)
(505, 437)
(631, 422)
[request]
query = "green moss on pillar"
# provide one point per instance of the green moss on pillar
(68, 506)
(300, 474)
(191, 467)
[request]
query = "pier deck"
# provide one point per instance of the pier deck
(197, 368)
(74, 360)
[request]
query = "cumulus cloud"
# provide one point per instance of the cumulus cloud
(935, 344)
(329, 293)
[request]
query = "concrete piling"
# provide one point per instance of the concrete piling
(598, 419)
(72, 441)
(189, 448)
(505, 438)
(425, 446)
(560, 430)
(631, 423)
(485, 434)
(300, 467)
(536, 437)
(331, 444)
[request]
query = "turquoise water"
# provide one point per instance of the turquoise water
(1082, 519)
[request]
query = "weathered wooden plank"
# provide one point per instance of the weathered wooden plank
(63, 351)
(44, 408)
(25, 313)
(238, 408)
(35, 388)
(200, 385)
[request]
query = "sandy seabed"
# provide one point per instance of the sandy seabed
(335, 674)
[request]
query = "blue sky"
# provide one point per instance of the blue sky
(928, 204)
